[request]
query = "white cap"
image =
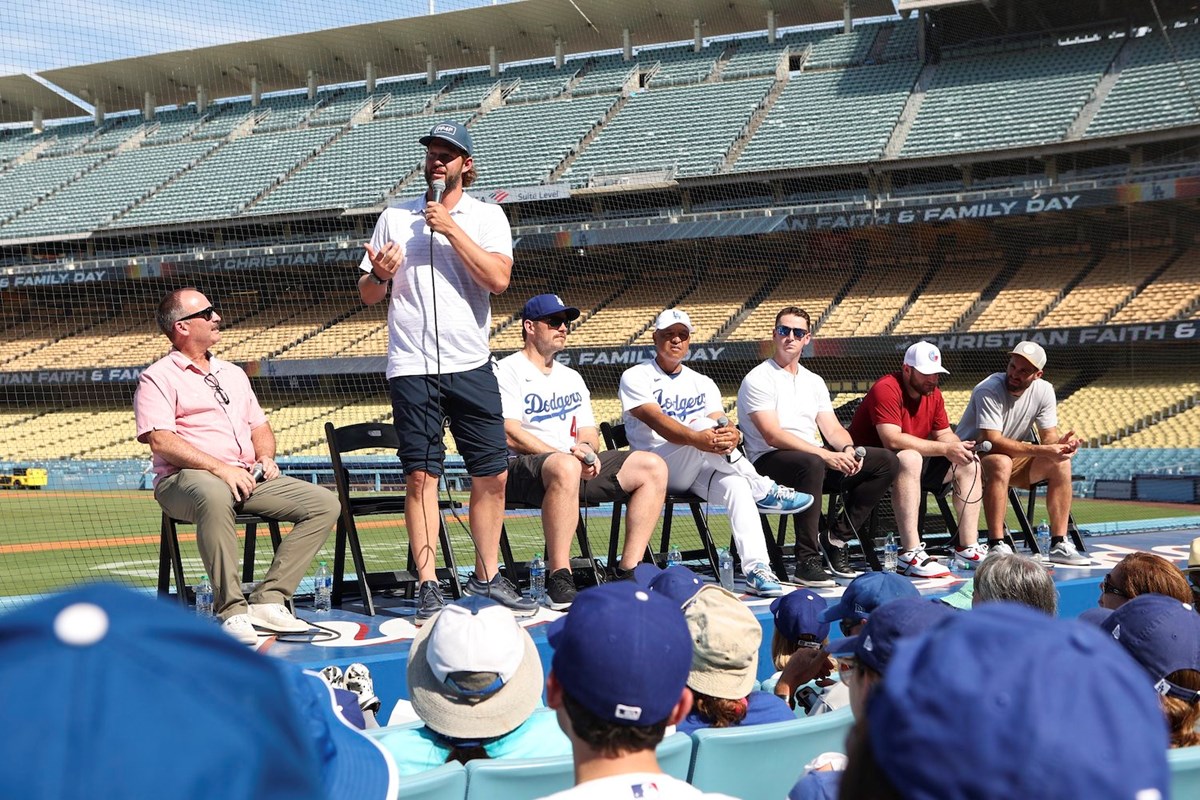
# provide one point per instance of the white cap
(1032, 352)
(673, 316)
(925, 358)
(475, 637)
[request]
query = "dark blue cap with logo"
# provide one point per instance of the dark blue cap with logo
(543, 305)
(1163, 634)
(451, 132)
(888, 624)
(868, 592)
(798, 614)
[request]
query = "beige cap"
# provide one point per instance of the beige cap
(1032, 352)
(725, 642)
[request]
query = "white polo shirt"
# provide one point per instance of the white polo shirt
(796, 399)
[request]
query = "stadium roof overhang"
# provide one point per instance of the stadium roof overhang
(520, 30)
(21, 94)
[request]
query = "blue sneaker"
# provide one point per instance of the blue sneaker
(782, 500)
(763, 582)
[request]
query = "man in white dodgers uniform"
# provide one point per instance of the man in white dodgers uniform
(551, 433)
(672, 410)
(445, 255)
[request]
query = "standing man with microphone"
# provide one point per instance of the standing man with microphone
(785, 406)
(445, 254)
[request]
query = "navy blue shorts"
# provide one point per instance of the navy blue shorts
(471, 400)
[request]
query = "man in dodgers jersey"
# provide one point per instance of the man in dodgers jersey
(672, 410)
(551, 433)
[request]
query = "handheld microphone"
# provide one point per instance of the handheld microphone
(438, 188)
(257, 472)
(860, 453)
(589, 459)
(983, 448)
(722, 421)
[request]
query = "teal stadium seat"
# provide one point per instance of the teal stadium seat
(764, 760)
(447, 782)
(675, 755)
(1185, 771)
(517, 778)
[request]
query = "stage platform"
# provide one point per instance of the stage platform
(382, 642)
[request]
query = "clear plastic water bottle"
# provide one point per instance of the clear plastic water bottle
(323, 588)
(1043, 544)
(537, 578)
(674, 557)
(725, 568)
(891, 551)
(204, 598)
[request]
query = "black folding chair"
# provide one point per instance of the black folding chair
(170, 561)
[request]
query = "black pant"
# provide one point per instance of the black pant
(806, 472)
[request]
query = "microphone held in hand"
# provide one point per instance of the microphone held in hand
(437, 188)
(589, 459)
(722, 421)
(860, 453)
(983, 448)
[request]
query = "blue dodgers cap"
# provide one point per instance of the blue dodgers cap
(544, 305)
(678, 583)
(623, 653)
(868, 592)
(798, 613)
(136, 684)
(645, 572)
(890, 623)
(1088, 726)
(1163, 634)
(450, 131)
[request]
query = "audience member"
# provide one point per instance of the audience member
(1163, 634)
(674, 411)
(444, 254)
(1142, 573)
(1011, 576)
(905, 413)
(214, 456)
(617, 679)
(784, 406)
(676, 582)
(725, 642)
(1003, 409)
(798, 626)
(1097, 734)
(475, 679)
(551, 435)
(150, 701)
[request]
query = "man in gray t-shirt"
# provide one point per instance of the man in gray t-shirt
(1004, 407)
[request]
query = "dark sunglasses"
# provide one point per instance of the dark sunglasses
(207, 313)
(554, 322)
(847, 626)
(212, 381)
(1106, 587)
(784, 330)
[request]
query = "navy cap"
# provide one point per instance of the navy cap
(890, 623)
(1087, 724)
(868, 592)
(451, 132)
(678, 583)
(624, 653)
(546, 304)
(1163, 634)
(798, 613)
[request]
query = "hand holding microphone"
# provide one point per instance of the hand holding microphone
(732, 454)
(437, 216)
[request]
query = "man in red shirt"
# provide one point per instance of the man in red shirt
(905, 413)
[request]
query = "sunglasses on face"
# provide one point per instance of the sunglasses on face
(212, 381)
(847, 626)
(1106, 587)
(554, 322)
(784, 330)
(206, 313)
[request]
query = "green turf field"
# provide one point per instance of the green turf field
(56, 539)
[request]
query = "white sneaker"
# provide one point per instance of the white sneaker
(999, 547)
(276, 617)
(241, 628)
(358, 680)
(1065, 553)
(333, 676)
(971, 556)
(917, 564)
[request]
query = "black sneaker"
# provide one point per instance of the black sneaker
(836, 558)
(810, 573)
(560, 589)
(503, 592)
(429, 602)
(621, 574)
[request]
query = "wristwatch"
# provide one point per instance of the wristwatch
(850, 446)
(375, 278)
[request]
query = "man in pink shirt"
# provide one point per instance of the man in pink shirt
(208, 435)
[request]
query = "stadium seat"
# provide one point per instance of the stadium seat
(518, 778)
(363, 436)
(764, 760)
(445, 782)
(675, 755)
(170, 561)
(1185, 771)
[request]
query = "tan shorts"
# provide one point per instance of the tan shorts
(1021, 465)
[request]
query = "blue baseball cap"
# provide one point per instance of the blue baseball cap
(645, 572)
(1163, 634)
(798, 613)
(1086, 725)
(451, 132)
(624, 653)
(890, 623)
(868, 592)
(678, 583)
(544, 305)
(136, 683)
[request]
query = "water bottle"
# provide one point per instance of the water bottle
(725, 568)
(674, 557)
(1043, 544)
(890, 552)
(204, 598)
(322, 588)
(537, 578)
